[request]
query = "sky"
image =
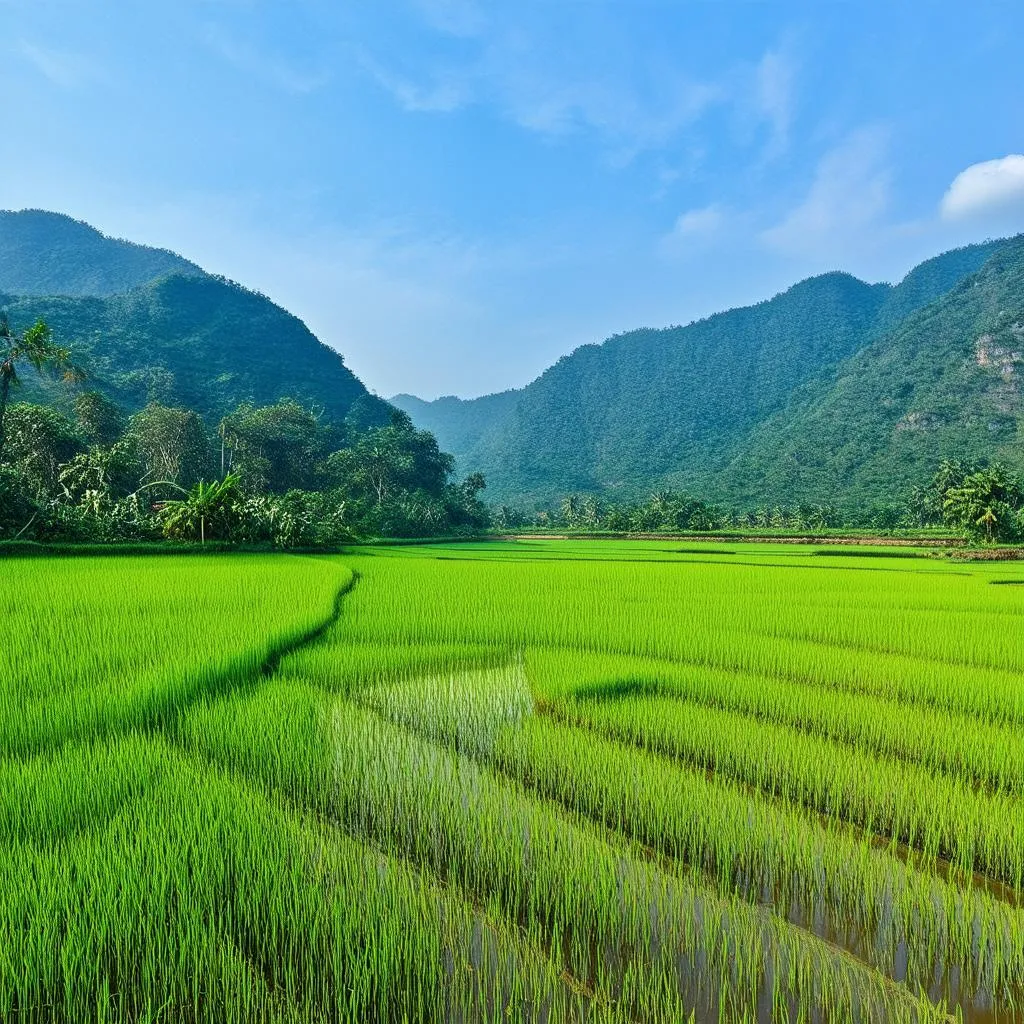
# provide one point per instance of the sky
(455, 193)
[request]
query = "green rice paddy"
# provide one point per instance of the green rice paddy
(535, 781)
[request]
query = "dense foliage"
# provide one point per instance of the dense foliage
(44, 253)
(737, 407)
(824, 406)
(979, 501)
(208, 412)
(147, 326)
(671, 512)
(273, 474)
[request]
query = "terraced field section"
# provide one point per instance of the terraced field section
(540, 781)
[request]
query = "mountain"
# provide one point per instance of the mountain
(51, 254)
(462, 420)
(946, 382)
(146, 324)
(684, 406)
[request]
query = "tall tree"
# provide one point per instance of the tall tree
(983, 503)
(206, 511)
(34, 346)
(388, 460)
(99, 419)
(40, 440)
(172, 444)
(275, 447)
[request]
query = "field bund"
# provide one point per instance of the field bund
(526, 780)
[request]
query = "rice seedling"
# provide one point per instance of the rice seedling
(98, 645)
(647, 941)
(542, 781)
(982, 754)
(874, 902)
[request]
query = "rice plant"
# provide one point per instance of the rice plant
(541, 781)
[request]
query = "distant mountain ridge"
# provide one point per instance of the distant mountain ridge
(834, 390)
(686, 407)
(147, 324)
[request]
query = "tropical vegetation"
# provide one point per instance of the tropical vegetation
(270, 475)
(981, 502)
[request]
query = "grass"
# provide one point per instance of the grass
(536, 780)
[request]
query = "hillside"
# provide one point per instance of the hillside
(682, 406)
(946, 382)
(45, 253)
(462, 421)
(147, 325)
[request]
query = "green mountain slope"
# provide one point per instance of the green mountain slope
(50, 254)
(156, 327)
(462, 421)
(681, 406)
(945, 382)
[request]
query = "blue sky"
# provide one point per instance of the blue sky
(455, 193)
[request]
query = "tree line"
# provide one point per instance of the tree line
(277, 474)
(985, 503)
(281, 474)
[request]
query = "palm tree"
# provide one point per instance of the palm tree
(34, 346)
(988, 519)
(213, 505)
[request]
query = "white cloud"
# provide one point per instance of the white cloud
(701, 222)
(693, 231)
(993, 186)
(270, 67)
(446, 93)
(462, 18)
(559, 78)
(631, 122)
(847, 198)
(773, 84)
(67, 70)
(536, 78)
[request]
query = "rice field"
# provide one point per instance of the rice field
(536, 781)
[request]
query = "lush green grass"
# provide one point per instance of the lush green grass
(555, 781)
(97, 645)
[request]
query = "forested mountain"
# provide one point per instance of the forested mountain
(45, 253)
(172, 404)
(946, 382)
(462, 421)
(835, 390)
(147, 325)
(711, 406)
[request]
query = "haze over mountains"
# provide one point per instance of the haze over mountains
(835, 390)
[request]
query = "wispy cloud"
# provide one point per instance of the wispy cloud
(848, 196)
(68, 70)
(628, 120)
(463, 18)
(447, 92)
(700, 222)
(563, 78)
(773, 97)
(537, 80)
(987, 188)
(283, 74)
(695, 230)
